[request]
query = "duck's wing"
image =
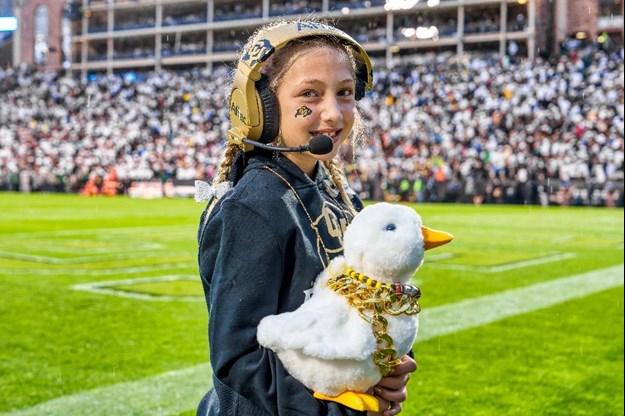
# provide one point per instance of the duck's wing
(325, 327)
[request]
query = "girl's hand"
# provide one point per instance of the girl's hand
(391, 391)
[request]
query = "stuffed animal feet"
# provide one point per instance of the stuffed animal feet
(354, 400)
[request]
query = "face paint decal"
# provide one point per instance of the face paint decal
(303, 111)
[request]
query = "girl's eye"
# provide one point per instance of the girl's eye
(309, 93)
(348, 92)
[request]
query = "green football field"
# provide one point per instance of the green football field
(102, 313)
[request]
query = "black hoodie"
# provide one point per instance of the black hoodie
(260, 250)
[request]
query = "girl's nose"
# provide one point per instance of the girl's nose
(331, 110)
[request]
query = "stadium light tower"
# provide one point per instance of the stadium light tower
(8, 24)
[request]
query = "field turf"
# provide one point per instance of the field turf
(101, 310)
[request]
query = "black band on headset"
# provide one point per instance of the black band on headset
(360, 89)
(271, 113)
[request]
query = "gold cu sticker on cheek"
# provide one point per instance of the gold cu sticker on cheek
(303, 112)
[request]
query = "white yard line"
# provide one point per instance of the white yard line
(475, 312)
(129, 254)
(66, 248)
(165, 394)
(98, 272)
(106, 288)
(177, 391)
(110, 232)
(506, 266)
(439, 256)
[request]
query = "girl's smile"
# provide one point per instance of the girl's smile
(334, 134)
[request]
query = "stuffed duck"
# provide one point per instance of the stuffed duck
(362, 315)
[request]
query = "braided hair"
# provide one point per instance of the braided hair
(340, 182)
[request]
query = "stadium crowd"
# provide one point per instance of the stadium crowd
(472, 129)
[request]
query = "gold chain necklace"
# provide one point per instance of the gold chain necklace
(321, 247)
(373, 299)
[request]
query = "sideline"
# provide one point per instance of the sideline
(177, 391)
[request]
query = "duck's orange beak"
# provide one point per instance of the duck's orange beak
(434, 238)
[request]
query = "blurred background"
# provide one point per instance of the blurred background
(505, 101)
(500, 121)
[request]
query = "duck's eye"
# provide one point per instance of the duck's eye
(390, 227)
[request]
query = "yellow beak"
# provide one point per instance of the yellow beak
(434, 238)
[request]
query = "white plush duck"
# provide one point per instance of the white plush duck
(336, 343)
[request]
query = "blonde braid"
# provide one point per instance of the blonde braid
(226, 163)
(340, 182)
(222, 173)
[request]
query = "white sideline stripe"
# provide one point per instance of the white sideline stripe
(507, 266)
(177, 391)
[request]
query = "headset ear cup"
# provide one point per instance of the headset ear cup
(271, 114)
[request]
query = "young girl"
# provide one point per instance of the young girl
(276, 219)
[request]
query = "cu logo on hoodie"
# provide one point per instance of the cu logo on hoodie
(330, 227)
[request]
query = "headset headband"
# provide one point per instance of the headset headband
(252, 106)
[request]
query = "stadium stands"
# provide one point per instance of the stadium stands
(387, 29)
(236, 11)
(480, 130)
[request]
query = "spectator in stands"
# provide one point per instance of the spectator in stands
(527, 130)
(554, 125)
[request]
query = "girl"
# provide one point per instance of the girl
(276, 219)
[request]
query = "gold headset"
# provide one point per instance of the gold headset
(253, 107)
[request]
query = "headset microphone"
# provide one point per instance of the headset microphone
(318, 145)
